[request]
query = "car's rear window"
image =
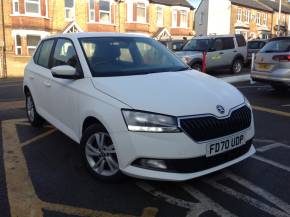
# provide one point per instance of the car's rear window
(256, 44)
(277, 46)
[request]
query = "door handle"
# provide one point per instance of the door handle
(235, 51)
(31, 77)
(47, 84)
(221, 53)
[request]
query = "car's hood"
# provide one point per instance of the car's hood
(188, 53)
(172, 93)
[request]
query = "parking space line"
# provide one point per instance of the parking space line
(12, 104)
(247, 199)
(259, 191)
(264, 140)
(38, 137)
(272, 111)
(22, 197)
(271, 146)
(273, 163)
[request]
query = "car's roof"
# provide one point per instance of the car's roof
(258, 40)
(96, 34)
(213, 36)
(280, 38)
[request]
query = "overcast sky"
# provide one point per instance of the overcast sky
(195, 3)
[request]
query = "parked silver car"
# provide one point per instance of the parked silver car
(272, 63)
(228, 51)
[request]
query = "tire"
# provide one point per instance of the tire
(279, 88)
(33, 117)
(100, 155)
(197, 66)
(237, 66)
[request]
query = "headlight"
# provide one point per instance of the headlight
(186, 59)
(149, 122)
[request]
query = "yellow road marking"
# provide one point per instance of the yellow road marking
(272, 111)
(22, 198)
(38, 137)
(12, 105)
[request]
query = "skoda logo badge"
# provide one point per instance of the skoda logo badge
(220, 109)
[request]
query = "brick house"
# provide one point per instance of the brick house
(252, 18)
(27, 21)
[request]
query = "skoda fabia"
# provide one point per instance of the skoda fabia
(135, 108)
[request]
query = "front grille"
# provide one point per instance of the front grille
(197, 164)
(210, 127)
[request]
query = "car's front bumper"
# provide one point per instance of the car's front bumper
(175, 147)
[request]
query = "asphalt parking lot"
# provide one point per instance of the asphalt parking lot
(41, 173)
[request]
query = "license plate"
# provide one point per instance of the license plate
(226, 144)
(264, 67)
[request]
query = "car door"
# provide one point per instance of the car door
(229, 51)
(214, 57)
(40, 77)
(65, 92)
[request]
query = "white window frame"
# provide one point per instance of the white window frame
(13, 6)
(174, 18)
(70, 8)
(92, 19)
(240, 15)
(29, 47)
(265, 19)
(160, 23)
(183, 25)
(258, 18)
(247, 15)
(17, 46)
(32, 2)
(143, 20)
(106, 12)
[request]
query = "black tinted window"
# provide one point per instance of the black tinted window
(241, 40)
(37, 53)
(218, 44)
(44, 54)
(277, 46)
(228, 43)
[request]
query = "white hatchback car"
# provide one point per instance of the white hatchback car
(135, 108)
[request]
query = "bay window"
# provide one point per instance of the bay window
(18, 47)
(105, 11)
(32, 7)
(92, 10)
(174, 18)
(15, 6)
(239, 15)
(141, 12)
(69, 9)
(159, 16)
(183, 19)
(32, 41)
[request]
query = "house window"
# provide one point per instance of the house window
(18, 47)
(15, 6)
(69, 7)
(174, 18)
(183, 19)
(141, 13)
(201, 18)
(105, 12)
(239, 14)
(265, 19)
(32, 7)
(92, 10)
(247, 15)
(32, 41)
(159, 16)
(258, 18)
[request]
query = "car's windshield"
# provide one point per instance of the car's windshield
(276, 46)
(197, 45)
(121, 56)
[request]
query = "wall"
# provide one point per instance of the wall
(219, 17)
(201, 25)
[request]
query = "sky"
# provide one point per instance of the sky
(195, 3)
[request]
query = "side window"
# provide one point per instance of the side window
(241, 40)
(44, 53)
(37, 53)
(218, 44)
(228, 43)
(65, 54)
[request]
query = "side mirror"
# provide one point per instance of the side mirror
(65, 72)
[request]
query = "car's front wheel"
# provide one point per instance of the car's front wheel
(99, 154)
(33, 117)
